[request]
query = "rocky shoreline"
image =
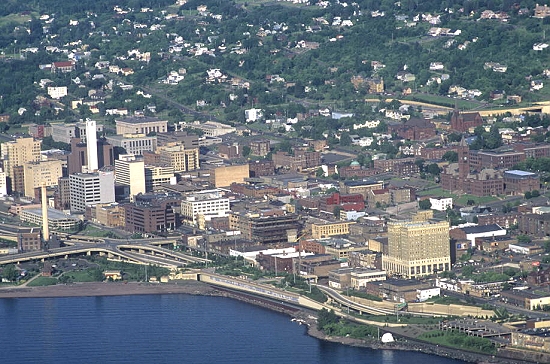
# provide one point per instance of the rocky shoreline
(198, 288)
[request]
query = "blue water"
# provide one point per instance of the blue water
(168, 329)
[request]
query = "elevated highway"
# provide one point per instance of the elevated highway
(344, 301)
(143, 251)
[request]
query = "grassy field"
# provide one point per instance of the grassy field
(16, 18)
(43, 281)
(459, 341)
(94, 231)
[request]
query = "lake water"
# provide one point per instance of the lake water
(168, 329)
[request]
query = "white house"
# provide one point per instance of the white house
(442, 203)
(57, 92)
(252, 115)
(427, 293)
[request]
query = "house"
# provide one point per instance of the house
(63, 67)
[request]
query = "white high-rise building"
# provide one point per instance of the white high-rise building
(3, 184)
(90, 189)
(130, 171)
(208, 203)
(91, 145)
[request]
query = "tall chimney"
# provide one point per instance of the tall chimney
(45, 228)
(91, 145)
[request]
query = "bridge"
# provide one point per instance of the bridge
(139, 251)
(344, 301)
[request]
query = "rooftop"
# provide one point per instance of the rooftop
(140, 120)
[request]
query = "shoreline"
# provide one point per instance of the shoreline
(94, 289)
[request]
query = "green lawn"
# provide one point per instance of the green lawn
(43, 281)
(97, 232)
(459, 341)
(80, 276)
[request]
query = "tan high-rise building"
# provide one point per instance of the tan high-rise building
(177, 156)
(43, 173)
(18, 152)
(226, 175)
(417, 249)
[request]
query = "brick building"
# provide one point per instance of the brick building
(261, 168)
(414, 129)
(151, 213)
(260, 147)
(462, 122)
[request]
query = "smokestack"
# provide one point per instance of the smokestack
(45, 228)
(91, 145)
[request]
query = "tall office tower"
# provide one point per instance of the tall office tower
(15, 154)
(130, 171)
(91, 144)
(43, 173)
(417, 249)
(90, 189)
(3, 184)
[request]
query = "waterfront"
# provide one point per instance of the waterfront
(173, 328)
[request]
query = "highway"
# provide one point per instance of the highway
(142, 251)
(345, 301)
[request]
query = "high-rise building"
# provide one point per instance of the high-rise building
(134, 143)
(77, 161)
(43, 173)
(91, 145)
(130, 171)
(177, 156)
(206, 203)
(3, 184)
(226, 175)
(417, 249)
(90, 189)
(62, 195)
(15, 154)
(158, 175)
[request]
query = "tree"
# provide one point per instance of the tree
(424, 204)
(528, 195)
(246, 151)
(433, 169)
(326, 317)
(10, 272)
(450, 156)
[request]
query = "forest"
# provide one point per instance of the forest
(254, 40)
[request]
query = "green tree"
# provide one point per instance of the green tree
(450, 156)
(10, 273)
(246, 151)
(425, 204)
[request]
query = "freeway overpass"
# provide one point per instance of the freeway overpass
(143, 251)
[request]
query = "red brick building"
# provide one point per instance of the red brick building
(462, 122)
(261, 168)
(414, 129)
(353, 202)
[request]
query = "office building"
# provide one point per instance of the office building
(91, 188)
(14, 155)
(130, 171)
(226, 175)
(417, 249)
(152, 212)
(177, 156)
(141, 125)
(43, 173)
(204, 205)
(134, 143)
(155, 176)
